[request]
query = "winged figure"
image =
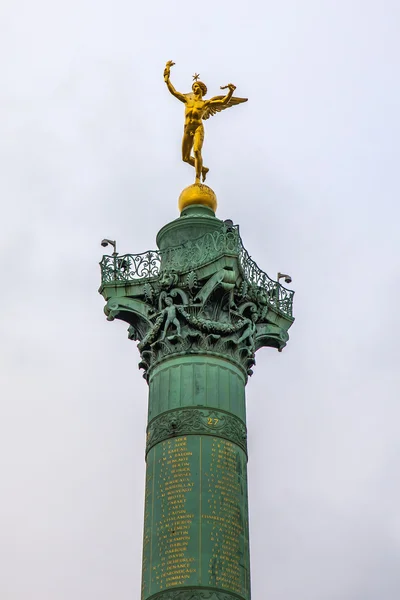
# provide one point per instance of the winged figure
(198, 110)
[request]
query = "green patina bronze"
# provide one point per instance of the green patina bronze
(199, 308)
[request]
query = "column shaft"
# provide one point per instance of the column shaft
(196, 510)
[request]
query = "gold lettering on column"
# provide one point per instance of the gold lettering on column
(224, 515)
(175, 488)
(147, 526)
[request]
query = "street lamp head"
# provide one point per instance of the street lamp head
(287, 278)
(112, 243)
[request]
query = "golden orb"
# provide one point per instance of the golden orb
(198, 193)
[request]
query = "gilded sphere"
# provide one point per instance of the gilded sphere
(198, 193)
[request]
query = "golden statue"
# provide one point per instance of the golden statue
(196, 110)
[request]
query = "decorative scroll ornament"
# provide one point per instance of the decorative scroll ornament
(204, 296)
(255, 284)
(196, 421)
(130, 266)
(180, 328)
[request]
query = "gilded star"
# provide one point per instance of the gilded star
(196, 76)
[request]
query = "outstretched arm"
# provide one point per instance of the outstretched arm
(171, 88)
(225, 99)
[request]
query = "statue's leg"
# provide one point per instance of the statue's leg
(197, 147)
(178, 326)
(167, 322)
(187, 145)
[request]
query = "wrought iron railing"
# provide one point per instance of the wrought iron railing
(191, 254)
(129, 267)
(276, 295)
(194, 253)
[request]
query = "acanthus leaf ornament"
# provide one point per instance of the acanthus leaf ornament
(196, 421)
(189, 256)
(209, 297)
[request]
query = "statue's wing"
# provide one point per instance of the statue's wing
(212, 109)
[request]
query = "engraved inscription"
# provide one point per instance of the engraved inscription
(174, 492)
(225, 518)
(147, 526)
(196, 529)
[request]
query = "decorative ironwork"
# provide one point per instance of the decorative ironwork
(130, 266)
(195, 253)
(192, 253)
(196, 421)
(277, 295)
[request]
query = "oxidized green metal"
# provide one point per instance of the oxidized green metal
(196, 528)
(192, 254)
(199, 308)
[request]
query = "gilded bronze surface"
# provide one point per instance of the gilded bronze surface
(197, 193)
(196, 111)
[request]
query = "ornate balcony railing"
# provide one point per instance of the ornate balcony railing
(194, 253)
(277, 295)
(129, 267)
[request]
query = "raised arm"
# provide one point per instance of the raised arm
(225, 99)
(171, 88)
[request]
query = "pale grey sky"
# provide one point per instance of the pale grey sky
(309, 168)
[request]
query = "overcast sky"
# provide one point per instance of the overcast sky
(309, 168)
